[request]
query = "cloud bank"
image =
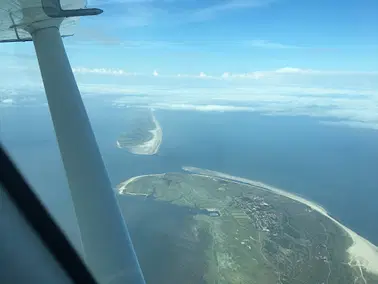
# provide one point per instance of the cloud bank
(334, 97)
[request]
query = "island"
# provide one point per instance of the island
(202, 226)
(144, 137)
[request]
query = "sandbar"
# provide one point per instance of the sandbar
(151, 146)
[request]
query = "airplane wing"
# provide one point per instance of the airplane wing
(108, 250)
(15, 15)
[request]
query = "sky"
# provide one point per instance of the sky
(289, 57)
(237, 36)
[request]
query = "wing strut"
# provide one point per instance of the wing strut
(108, 249)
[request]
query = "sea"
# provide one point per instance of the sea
(334, 166)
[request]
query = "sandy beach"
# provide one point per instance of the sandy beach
(121, 187)
(362, 253)
(151, 146)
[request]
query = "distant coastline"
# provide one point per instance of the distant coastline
(362, 253)
(150, 147)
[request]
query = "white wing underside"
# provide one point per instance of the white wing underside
(15, 15)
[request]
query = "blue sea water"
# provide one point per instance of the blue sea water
(333, 166)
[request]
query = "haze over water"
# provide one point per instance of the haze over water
(333, 166)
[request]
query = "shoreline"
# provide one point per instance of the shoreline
(261, 185)
(362, 253)
(150, 147)
(121, 187)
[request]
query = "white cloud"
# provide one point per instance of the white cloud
(101, 71)
(201, 75)
(197, 107)
(292, 70)
(226, 75)
(348, 96)
(261, 74)
(6, 101)
(260, 43)
(252, 75)
(348, 107)
(360, 80)
(336, 111)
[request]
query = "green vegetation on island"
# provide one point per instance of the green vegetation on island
(228, 232)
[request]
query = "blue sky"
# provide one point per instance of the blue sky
(239, 36)
(291, 57)
(217, 36)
